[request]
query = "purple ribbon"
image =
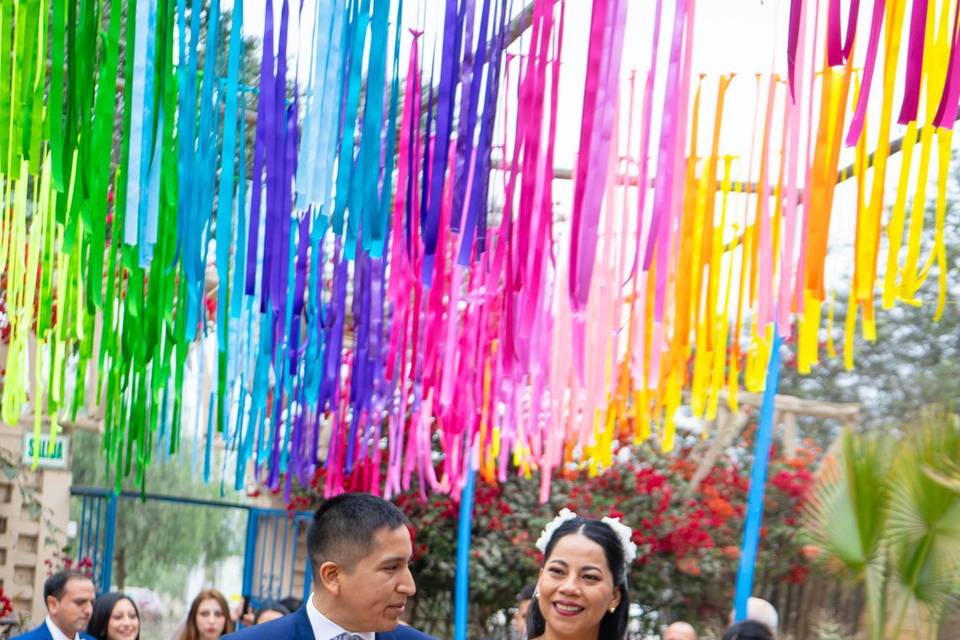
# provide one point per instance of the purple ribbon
(264, 120)
(470, 72)
(476, 212)
(452, 29)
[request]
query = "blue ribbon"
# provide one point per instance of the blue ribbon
(365, 191)
(330, 109)
(461, 594)
(320, 44)
(358, 34)
(149, 172)
(225, 198)
(240, 250)
(139, 125)
(377, 249)
(758, 481)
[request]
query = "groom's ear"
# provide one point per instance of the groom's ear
(328, 577)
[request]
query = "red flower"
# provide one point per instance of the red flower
(798, 574)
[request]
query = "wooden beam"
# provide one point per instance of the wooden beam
(843, 411)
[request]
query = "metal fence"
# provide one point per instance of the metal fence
(274, 561)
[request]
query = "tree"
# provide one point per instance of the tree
(915, 360)
(880, 517)
(157, 544)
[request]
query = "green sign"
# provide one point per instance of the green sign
(52, 453)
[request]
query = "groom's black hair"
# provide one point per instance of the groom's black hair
(343, 528)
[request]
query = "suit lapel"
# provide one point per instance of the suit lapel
(301, 625)
(45, 631)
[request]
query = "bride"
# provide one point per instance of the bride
(582, 589)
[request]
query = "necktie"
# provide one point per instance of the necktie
(347, 636)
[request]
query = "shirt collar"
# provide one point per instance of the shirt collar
(323, 627)
(55, 631)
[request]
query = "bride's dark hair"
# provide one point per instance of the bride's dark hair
(613, 625)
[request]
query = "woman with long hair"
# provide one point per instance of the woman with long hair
(581, 593)
(115, 617)
(209, 617)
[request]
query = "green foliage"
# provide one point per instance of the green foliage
(879, 516)
(157, 544)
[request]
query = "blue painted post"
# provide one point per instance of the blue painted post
(109, 536)
(306, 519)
(462, 587)
(758, 481)
(83, 528)
(250, 551)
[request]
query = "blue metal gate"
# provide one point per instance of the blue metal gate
(96, 533)
(275, 564)
(275, 561)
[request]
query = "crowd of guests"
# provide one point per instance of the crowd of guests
(74, 612)
(359, 548)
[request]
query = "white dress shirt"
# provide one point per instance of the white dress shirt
(56, 633)
(323, 627)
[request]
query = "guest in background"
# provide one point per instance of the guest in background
(209, 617)
(523, 609)
(291, 604)
(270, 612)
(759, 610)
(115, 617)
(69, 598)
(680, 631)
(748, 630)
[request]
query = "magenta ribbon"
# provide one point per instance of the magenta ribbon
(837, 52)
(947, 110)
(911, 88)
(796, 7)
(856, 124)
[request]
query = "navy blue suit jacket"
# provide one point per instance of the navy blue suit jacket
(296, 626)
(41, 632)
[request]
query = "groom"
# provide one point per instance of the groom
(359, 549)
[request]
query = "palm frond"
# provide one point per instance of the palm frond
(923, 522)
(845, 515)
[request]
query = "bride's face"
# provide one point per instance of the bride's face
(576, 588)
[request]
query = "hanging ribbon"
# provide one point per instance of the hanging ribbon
(758, 481)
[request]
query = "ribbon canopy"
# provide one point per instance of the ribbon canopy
(345, 249)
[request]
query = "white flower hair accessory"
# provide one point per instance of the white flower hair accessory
(625, 534)
(544, 539)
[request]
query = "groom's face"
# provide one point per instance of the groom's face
(374, 590)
